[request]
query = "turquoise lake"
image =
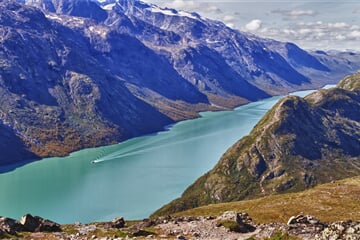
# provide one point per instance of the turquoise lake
(131, 179)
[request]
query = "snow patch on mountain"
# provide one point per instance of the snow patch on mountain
(172, 12)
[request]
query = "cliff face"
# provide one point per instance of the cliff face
(299, 143)
(80, 73)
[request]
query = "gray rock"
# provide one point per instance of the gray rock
(341, 230)
(301, 219)
(243, 220)
(38, 224)
(305, 226)
(30, 223)
(11, 226)
(118, 222)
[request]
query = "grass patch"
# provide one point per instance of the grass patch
(330, 202)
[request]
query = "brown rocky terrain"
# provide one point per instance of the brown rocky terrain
(230, 225)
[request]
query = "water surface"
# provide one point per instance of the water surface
(131, 179)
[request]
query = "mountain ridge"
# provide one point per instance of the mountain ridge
(298, 144)
(71, 78)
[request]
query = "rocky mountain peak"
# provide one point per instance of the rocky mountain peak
(79, 8)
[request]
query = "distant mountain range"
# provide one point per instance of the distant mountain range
(80, 73)
(299, 143)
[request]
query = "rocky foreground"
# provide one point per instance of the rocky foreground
(230, 225)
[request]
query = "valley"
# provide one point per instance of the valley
(112, 109)
(77, 74)
(127, 173)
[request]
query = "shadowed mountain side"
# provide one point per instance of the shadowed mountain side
(15, 149)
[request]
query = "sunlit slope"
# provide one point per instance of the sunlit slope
(299, 143)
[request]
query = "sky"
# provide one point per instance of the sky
(321, 24)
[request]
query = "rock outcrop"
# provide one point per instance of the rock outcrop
(10, 226)
(38, 224)
(27, 223)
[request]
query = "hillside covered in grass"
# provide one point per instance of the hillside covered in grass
(336, 201)
(298, 144)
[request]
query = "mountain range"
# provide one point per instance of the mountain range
(81, 73)
(299, 143)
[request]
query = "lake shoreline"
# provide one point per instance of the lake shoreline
(130, 171)
(13, 166)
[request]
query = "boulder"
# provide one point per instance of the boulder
(305, 226)
(146, 223)
(243, 221)
(38, 224)
(235, 216)
(118, 222)
(49, 226)
(30, 223)
(10, 226)
(303, 219)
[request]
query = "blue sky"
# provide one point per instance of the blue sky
(310, 24)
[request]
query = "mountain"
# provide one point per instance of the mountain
(299, 143)
(81, 73)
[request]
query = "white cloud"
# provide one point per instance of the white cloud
(340, 37)
(228, 18)
(213, 9)
(340, 34)
(253, 25)
(295, 13)
(354, 34)
(338, 25)
(181, 4)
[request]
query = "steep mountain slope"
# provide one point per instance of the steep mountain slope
(299, 143)
(55, 96)
(81, 73)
